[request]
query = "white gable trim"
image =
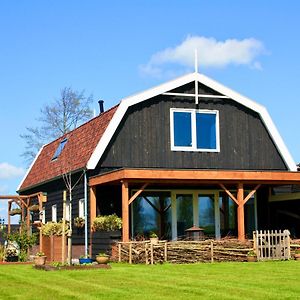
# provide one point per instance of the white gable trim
(170, 85)
(33, 162)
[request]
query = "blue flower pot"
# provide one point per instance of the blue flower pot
(85, 261)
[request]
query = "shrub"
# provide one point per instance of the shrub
(53, 228)
(107, 223)
(24, 240)
(40, 254)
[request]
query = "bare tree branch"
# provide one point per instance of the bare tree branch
(71, 109)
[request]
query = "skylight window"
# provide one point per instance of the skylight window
(59, 149)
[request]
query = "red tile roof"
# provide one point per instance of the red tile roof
(81, 143)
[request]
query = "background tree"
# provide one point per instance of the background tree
(71, 109)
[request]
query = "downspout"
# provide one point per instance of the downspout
(85, 215)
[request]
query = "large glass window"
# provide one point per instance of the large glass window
(184, 207)
(206, 212)
(194, 130)
(151, 212)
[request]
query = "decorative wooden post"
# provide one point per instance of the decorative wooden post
(8, 217)
(125, 212)
(240, 212)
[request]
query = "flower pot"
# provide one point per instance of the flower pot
(297, 256)
(85, 261)
(251, 258)
(40, 260)
(102, 259)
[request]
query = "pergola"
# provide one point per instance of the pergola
(24, 202)
(236, 180)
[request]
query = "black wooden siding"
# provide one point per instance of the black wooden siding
(142, 140)
(54, 190)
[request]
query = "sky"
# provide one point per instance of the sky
(113, 49)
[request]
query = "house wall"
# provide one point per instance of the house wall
(142, 140)
(54, 190)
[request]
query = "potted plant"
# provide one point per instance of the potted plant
(153, 237)
(40, 259)
(15, 211)
(85, 259)
(34, 207)
(251, 256)
(297, 254)
(79, 222)
(102, 258)
(107, 223)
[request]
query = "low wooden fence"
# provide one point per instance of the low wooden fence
(272, 244)
(182, 251)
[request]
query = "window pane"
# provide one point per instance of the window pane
(184, 207)
(206, 210)
(182, 129)
(206, 131)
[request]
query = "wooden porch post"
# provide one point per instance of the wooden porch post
(8, 217)
(240, 212)
(125, 212)
(93, 213)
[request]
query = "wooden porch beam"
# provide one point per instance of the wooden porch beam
(265, 177)
(251, 194)
(228, 193)
(136, 194)
(125, 211)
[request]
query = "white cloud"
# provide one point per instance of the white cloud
(211, 53)
(8, 171)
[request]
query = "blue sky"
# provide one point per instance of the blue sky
(115, 48)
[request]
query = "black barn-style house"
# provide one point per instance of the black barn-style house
(188, 152)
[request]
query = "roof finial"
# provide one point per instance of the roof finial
(196, 60)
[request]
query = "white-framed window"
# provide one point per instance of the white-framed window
(54, 213)
(67, 210)
(194, 130)
(81, 208)
(44, 215)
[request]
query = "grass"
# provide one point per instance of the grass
(268, 280)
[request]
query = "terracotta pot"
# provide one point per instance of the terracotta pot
(297, 256)
(251, 258)
(40, 260)
(102, 260)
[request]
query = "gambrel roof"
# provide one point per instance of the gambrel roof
(87, 143)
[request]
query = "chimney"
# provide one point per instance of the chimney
(101, 106)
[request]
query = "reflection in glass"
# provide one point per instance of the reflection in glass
(152, 213)
(184, 207)
(207, 214)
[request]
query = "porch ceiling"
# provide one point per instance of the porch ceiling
(194, 176)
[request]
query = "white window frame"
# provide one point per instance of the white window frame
(44, 215)
(81, 208)
(193, 113)
(54, 213)
(67, 210)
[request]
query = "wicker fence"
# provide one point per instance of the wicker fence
(182, 251)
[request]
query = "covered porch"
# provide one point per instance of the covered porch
(220, 202)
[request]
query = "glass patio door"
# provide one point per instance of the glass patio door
(195, 208)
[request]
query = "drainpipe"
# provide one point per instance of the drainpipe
(85, 215)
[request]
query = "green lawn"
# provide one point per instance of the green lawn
(269, 280)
